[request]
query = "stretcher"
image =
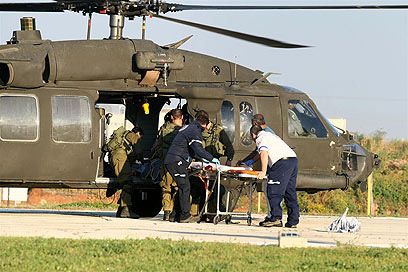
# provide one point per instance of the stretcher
(243, 175)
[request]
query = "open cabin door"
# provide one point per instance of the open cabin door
(49, 137)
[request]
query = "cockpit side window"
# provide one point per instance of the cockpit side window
(303, 121)
(246, 113)
(228, 120)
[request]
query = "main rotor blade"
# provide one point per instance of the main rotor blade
(168, 7)
(32, 7)
(234, 34)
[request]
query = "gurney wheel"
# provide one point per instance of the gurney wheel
(216, 219)
(228, 219)
(249, 221)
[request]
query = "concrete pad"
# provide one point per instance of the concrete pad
(375, 232)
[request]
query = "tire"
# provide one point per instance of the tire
(147, 202)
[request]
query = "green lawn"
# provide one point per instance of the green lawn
(37, 254)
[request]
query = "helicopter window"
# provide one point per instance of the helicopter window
(19, 118)
(71, 119)
(303, 120)
(245, 117)
(228, 120)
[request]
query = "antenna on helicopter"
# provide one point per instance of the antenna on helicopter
(144, 27)
(88, 32)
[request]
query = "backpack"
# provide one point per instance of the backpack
(164, 139)
(116, 139)
(211, 141)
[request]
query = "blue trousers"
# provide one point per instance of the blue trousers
(182, 205)
(282, 185)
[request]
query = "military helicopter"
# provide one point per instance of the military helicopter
(53, 127)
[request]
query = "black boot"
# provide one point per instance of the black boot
(173, 217)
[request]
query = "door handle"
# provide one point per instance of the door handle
(92, 155)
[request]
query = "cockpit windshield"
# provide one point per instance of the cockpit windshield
(337, 131)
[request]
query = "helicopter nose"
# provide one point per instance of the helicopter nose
(358, 162)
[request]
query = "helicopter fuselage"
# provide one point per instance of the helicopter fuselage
(52, 132)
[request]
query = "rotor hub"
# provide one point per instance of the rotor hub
(116, 24)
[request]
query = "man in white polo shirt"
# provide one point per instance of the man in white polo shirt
(280, 166)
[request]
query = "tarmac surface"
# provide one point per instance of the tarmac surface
(374, 232)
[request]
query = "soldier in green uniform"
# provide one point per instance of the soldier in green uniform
(122, 152)
(217, 143)
(165, 137)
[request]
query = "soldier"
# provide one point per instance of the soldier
(122, 152)
(217, 142)
(295, 127)
(165, 137)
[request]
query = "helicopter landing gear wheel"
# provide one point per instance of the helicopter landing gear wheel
(147, 202)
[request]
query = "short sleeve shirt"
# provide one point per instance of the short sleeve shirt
(268, 129)
(276, 147)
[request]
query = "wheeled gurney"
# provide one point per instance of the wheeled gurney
(244, 176)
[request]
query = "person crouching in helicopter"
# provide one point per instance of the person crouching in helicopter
(122, 151)
(167, 132)
(280, 165)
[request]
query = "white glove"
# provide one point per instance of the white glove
(216, 161)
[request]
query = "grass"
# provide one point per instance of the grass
(81, 205)
(38, 254)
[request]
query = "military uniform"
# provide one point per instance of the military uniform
(120, 159)
(217, 142)
(166, 135)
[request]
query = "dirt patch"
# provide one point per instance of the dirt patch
(38, 197)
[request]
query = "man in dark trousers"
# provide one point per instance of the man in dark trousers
(280, 165)
(186, 145)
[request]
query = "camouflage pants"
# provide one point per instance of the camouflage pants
(123, 172)
(169, 189)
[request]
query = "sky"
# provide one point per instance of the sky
(356, 69)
